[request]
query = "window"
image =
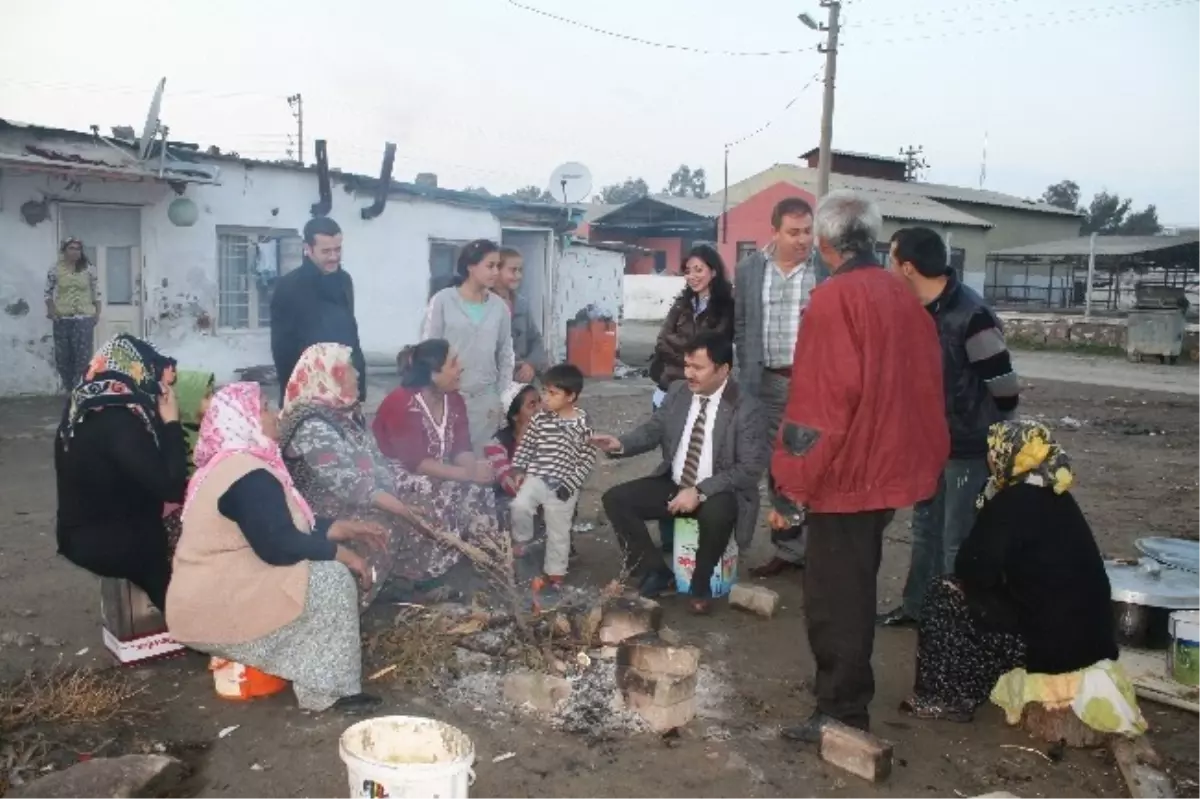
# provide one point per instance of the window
(248, 262)
(745, 249)
(660, 262)
(443, 264)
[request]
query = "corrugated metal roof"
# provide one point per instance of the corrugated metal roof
(893, 205)
(700, 206)
(803, 176)
(1105, 245)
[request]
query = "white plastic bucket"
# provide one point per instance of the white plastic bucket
(687, 541)
(407, 756)
(1183, 654)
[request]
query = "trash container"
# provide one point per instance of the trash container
(134, 630)
(592, 346)
(1157, 322)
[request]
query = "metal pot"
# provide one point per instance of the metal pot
(1141, 626)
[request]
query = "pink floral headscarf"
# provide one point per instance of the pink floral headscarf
(233, 426)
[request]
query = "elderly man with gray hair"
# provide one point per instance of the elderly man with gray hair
(864, 433)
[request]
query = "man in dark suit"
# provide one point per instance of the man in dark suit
(314, 304)
(714, 450)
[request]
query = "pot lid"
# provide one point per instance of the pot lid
(1148, 583)
(1178, 553)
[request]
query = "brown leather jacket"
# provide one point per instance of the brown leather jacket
(681, 326)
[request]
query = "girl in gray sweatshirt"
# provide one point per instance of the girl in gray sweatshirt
(478, 326)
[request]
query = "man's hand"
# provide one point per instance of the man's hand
(524, 373)
(369, 533)
(686, 501)
(607, 443)
(168, 404)
(357, 566)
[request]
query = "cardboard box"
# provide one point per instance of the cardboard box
(134, 630)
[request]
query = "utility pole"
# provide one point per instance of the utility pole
(914, 162)
(296, 103)
(830, 51)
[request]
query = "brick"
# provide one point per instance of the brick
(660, 718)
(650, 655)
(626, 617)
(542, 692)
(661, 689)
(754, 598)
(855, 751)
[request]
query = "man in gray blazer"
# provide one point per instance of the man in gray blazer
(714, 451)
(772, 288)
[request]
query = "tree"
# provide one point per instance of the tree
(621, 193)
(1064, 194)
(1107, 214)
(686, 183)
(480, 190)
(531, 194)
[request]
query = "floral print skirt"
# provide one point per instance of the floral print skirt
(466, 511)
(958, 662)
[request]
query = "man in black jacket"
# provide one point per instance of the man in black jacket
(981, 388)
(314, 304)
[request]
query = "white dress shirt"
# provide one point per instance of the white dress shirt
(704, 469)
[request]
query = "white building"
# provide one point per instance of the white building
(186, 250)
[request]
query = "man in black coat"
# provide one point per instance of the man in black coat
(314, 304)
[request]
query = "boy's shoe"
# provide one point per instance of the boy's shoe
(658, 584)
(546, 590)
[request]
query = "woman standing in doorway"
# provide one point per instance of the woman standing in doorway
(72, 305)
(478, 326)
(528, 349)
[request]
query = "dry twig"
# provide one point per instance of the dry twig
(66, 696)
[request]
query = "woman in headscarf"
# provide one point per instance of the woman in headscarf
(1027, 616)
(337, 467)
(119, 457)
(193, 392)
(259, 579)
(72, 305)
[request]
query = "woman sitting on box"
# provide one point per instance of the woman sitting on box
(258, 578)
(119, 457)
(1027, 616)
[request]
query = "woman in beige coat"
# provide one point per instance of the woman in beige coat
(257, 578)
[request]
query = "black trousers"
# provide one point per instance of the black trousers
(844, 551)
(630, 505)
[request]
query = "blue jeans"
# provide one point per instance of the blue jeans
(939, 526)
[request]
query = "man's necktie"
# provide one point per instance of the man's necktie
(691, 463)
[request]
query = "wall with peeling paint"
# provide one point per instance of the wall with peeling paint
(388, 257)
(649, 297)
(586, 276)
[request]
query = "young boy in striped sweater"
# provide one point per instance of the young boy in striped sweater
(555, 456)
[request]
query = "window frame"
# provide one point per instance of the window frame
(255, 299)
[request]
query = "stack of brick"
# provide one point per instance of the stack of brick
(658, 680)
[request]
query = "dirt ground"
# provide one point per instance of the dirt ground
(1136, 461)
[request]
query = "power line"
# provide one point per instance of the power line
(730, 145)
(650, 43)
(1068, 13)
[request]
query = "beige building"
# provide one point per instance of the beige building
(974, 222)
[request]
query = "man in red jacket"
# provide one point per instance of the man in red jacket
(864, 433)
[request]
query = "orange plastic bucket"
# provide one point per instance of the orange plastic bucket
(241, 683)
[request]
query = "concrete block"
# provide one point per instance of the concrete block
(127, 776)
(660, 689)
(542, 692)
(626, 617)
(855, 751)
(754, 598)
(661, 718)
(650, 655)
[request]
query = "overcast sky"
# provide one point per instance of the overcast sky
(1104, 92)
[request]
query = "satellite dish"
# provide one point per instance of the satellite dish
(150, 129)
(570, 183)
